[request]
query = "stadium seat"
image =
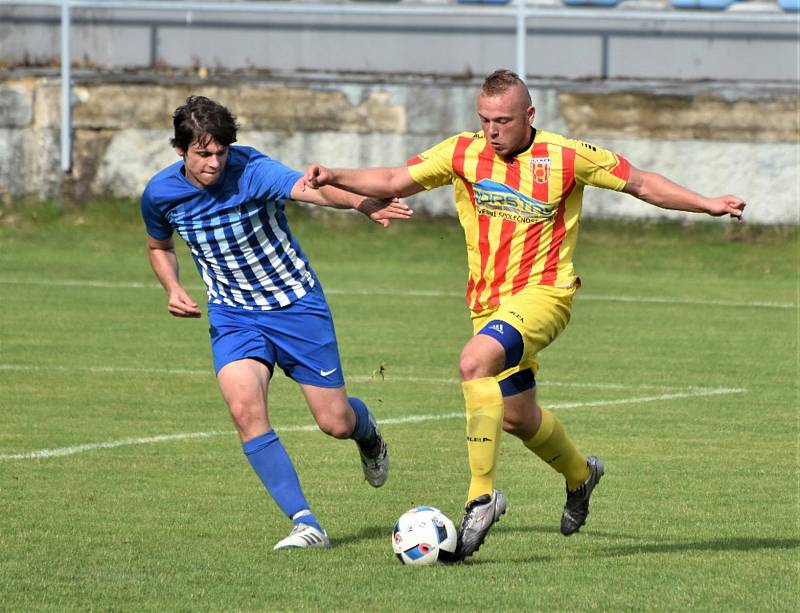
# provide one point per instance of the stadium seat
(717, 5)
(591, 2)
(789, 5)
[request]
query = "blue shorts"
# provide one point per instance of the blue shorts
(299, 338)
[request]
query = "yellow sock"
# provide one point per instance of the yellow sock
(552, 444)
(484, 405)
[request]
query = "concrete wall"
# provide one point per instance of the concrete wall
(715, 139)
(735, 45)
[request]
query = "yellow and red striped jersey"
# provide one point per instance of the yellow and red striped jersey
(520, 215)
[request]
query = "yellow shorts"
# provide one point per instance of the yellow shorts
(539, 313)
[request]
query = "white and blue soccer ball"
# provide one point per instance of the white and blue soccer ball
(424, 535)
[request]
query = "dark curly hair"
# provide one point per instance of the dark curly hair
(202, 120)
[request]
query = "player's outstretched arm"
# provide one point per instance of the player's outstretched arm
(384, 182)
(660, 191)
(165, 264)
(379, 210)
(383, 210)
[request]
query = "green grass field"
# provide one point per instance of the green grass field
(123, 486)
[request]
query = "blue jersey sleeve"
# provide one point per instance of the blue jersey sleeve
(155, 222)
(270, 179)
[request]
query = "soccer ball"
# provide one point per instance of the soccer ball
(424, 535)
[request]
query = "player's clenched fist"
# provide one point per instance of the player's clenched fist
(316, 176)
(727, 205)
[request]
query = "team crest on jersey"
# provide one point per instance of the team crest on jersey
(540, 167)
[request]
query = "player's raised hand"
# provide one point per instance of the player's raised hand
(316, 176)
(383, 210)
(727, 205)
(181, 305)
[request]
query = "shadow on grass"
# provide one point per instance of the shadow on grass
(365, 534)
(637, 547)
(379, 532)
(553, 529)
(731, 544)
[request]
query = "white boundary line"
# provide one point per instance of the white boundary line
(113, 370)
(65, 451)
(410, 293)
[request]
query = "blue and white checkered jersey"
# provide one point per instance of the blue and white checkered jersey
(236, 229)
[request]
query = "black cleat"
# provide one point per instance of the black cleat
(375, 463)
(576, 509)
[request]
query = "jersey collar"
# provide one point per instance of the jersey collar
(522, 150)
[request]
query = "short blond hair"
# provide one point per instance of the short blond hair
(501, 81)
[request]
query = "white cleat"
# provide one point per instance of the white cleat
(304, 536)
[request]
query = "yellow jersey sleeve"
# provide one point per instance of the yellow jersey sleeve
(434, 167)
(600, 167)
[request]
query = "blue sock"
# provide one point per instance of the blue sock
(273, 466)
(306, 517)
(363, 434)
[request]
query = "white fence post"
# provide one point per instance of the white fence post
(66, 90)
(522, 32)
